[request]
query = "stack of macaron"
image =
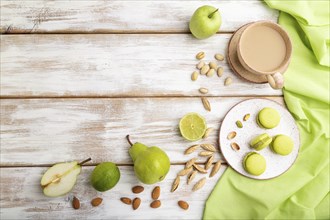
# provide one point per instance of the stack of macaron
(254, 163)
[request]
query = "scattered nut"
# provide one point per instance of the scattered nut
(205, 153)
(191, 149)
(200, 65)
(203, 90)
(155, 204)
(137, 189)
(200, 55)
(199, 184)
(96, 201)
(210, 73)
(219, 57)
(75, 203)
(136, 203)
(126, 200)
(183, 204)
(209, 162)
(239, 124)
(199, 168)
(205, 69)
(206, 104)
(207, 132)
(155, 193)
(175, 184)
(246, 117)
(191, 176)
(209, 147)
(235, 146)
(213, 65)
(228, 81)
(220, 71)
(194, 76)
(231, 135)
(191, 162)
(215, 168)
(185, 171)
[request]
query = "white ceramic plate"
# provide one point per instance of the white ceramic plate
(276, 164)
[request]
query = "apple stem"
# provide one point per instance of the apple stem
(128, 140)
(84, 161)
(210, 15)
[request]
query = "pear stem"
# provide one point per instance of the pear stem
(210, 15)
(84, 161)
(128, 140)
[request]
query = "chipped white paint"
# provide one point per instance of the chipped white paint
(39, 16)
(115, 65)
(21, 195)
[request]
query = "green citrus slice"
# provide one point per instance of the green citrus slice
(192, 126)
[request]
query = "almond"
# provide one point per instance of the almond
(155, 193)
(136, 203)
(183, 204)
(75, 203)
(96, 201)
(155, 204)
(137, 189)
(126, 200)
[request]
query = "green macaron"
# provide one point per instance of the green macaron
(268, 118)
(282, 144)
(261, 141)
(254, 163)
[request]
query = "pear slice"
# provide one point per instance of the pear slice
(60, 178)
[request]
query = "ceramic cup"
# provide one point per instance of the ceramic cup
(274, 76)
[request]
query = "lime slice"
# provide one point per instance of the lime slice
(192, 126)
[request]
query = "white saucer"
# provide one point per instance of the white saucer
(276, 164)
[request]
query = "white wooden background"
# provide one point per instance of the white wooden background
(77, 76)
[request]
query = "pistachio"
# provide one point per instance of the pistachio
(215, 168)
(203, 90)
(200, 55)
(219, 57)
(199, 184)
(175, 184)
(228, 81)
(191, 176)
(194, 76)
(205, 153)
(209, 162)
(199, 168)
(191, 149)
(206, 104)
(210, 73)
(209, 147)
(190, 162)
(235, 146)
(246, 117)
(239, 124)
(213, 65)
(207, 132)
(220, 71)
(231, 135)
(200, 64)
(205, 69)
(185, 171)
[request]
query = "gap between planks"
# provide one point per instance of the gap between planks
(104, 32)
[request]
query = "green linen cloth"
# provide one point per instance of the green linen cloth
(303, 191)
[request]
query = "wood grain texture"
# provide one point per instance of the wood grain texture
(21, 197)
(45, 131)
(100, 16)
(115, 65)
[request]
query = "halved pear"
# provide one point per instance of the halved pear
(60, 178)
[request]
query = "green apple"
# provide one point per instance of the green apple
(105, 176)
(60, 178)
(151, 164)
(205, 22)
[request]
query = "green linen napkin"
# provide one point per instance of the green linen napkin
(303, 191)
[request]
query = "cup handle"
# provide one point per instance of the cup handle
(276, 80)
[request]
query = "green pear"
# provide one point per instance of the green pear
(60, 178)
(151, 164)
(205, 22)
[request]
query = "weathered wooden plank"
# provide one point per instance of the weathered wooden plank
(99, 16)
(45, 131)
(114, 65)
(21, 197)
